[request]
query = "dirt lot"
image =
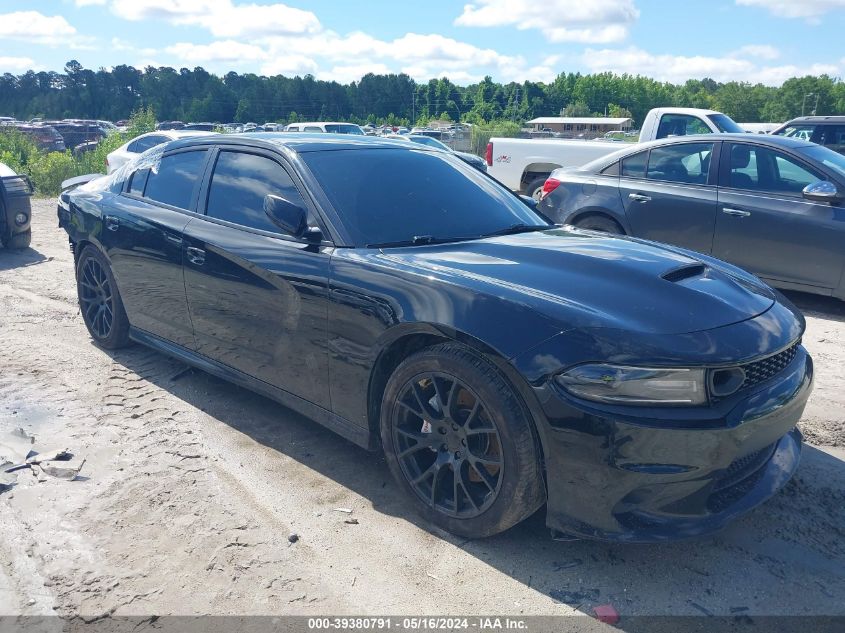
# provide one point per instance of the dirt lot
(192, 486)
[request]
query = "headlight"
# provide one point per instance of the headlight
(635, 385)
(21, 218)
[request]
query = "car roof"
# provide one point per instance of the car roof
(757, 139)
(818, 119)
(301, 142)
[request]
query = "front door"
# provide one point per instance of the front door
(766, 226)
(258, 298)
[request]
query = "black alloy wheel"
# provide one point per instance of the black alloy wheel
(447, 446)
(99, 300)
(96, 298)
(460, 442)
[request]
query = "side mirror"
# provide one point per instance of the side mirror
(289, 217)
(531, 202)
(822, 191)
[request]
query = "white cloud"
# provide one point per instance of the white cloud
(17, 64)
(422, 56)
(761, 51)
(221, 17)
(679, 68)
(86, 3)
(36, 27)
(290, 66)
(595, 21)
(811, 10)
(227, 51)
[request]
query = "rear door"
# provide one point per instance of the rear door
(669, 194)
(257, 297)
(142, 235)
(766, 226)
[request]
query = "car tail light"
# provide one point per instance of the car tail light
(488, 155)
(550, 185)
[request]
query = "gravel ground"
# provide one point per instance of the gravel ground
(192, 486)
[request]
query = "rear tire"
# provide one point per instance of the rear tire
(535, 188)
(20, 240)
(460, 443)
(600, 223)
(99, 300)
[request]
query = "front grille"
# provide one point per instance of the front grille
(739, 478)
(762, 370)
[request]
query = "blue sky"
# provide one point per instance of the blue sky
(746, 40)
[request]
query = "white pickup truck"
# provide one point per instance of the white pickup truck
(524, 164)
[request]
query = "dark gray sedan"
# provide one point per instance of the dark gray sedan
(771, 205)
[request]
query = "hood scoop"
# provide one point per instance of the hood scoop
(684, 272)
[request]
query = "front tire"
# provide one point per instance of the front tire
(99, 300)
(460, 443)
(20, 240)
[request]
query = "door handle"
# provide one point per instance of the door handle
(738, 213)
(112, 223)
(196, 255)
(638, 197)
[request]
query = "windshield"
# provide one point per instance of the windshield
(725, 123)
(431, 142)
(827, 157)
(341, 128)
(801, 132)
(386, 196)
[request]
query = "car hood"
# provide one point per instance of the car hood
(588, 279)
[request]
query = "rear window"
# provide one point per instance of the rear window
(634, 166)
(343, 129)
(173, 179)
(394, 195)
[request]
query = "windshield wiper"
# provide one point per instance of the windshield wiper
(417, 240)
(518, 228)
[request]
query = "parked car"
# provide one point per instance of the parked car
(770, 204)
(15, 209)
(201, 127)
(46, 138)
(640, 392)
(471, 159)
(74, 134)
(169, 125)
(142, 143)
(524, 164)
(332, 128)
(824, 130)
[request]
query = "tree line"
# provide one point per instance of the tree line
(197, 95)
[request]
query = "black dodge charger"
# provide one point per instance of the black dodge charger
(413, 305)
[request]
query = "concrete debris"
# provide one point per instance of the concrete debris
(7, 481)
(293, 537)
(346, 510)
(16, 446)
(67, 470)
(59, 454)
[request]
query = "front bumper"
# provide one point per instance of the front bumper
(639, 478)
(15, 192)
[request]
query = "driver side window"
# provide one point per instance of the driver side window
(238, 187)
(763, 169)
